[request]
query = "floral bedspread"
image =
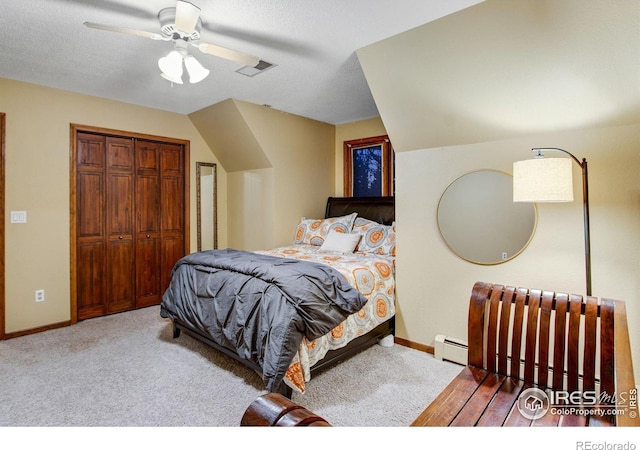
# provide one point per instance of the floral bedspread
(373, 275)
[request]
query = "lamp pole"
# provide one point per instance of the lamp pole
(585, 208)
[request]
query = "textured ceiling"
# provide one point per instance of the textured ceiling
(312, 43)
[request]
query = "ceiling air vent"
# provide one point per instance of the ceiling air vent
(252, 71)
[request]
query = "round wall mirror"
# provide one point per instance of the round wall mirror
(479, 221)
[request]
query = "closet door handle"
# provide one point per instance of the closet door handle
(148, 236)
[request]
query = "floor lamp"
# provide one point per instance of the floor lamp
(550, 180)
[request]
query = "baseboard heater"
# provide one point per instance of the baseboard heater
(455, 350)
(450, 349)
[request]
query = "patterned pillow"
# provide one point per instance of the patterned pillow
(376, 237)
(315, 231)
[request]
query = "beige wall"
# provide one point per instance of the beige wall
(477, 90)
(508, 68)
(351, 131)
(267, 204)
(37, 181)
(434, 284)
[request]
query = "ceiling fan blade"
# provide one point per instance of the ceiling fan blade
(187, 15)
(222, 52)
(147, 34)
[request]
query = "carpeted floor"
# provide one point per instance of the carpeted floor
(126, 370)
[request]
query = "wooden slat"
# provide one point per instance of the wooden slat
(607, 360)
(505, 325)
(559, 345)
(454, 396)
(573, 341)
(531, 336)
(503, 402)
(475, 324)
(590, 344)
(516, 341)
(492, 329)
(477, 403)
(516, 419)
(546, 306)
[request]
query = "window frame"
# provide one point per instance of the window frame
(387, 169)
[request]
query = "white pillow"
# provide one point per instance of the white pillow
(340, 242)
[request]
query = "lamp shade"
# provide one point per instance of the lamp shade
(543, 180)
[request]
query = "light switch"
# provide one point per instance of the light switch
(18, 217)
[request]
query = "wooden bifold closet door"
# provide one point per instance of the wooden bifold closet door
(130, 221)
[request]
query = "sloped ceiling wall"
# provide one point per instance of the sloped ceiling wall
(227, 133)
(502, 68)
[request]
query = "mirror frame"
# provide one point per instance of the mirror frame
(199, 166)
(466, 258)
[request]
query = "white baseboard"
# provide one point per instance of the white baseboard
(450, 349)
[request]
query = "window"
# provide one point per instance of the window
(368, 167)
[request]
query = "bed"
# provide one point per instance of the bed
(292, 311)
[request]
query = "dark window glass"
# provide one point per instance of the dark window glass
(367, 171)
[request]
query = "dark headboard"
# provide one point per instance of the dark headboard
(379, 209)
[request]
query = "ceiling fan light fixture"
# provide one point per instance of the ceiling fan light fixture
(186, 17)
(170, 78)
(171, 65)
(182, 25)
(195, 70)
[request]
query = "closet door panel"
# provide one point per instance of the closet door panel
(148, 204)
(90, 205)
(147, 223)
(91, 284)
(172, 160)
(172, 251)
(120, 225)
(90, 152)
(120, 154)
(90, 227)
(120, 282)
(172, 201)
(120, 205)
(147, 272)
(172, 223)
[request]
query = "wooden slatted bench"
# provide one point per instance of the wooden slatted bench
(276, 410)
(540, 358)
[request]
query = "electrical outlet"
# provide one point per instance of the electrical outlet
(40, 295)
(504, 255)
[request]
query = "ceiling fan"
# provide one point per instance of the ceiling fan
(182, 25)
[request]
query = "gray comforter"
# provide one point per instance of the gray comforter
(258, 306)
